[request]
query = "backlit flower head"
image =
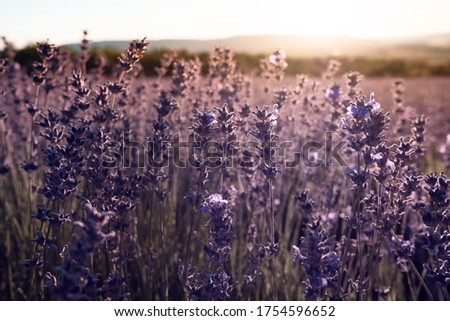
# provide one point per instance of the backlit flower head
(278, 57)
(333, 92)
(214, 203)
(360, 109)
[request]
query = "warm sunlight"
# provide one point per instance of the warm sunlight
(276, 157)
(175, 19)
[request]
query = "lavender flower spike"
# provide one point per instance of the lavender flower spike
(360, 109)
(274, 115)
(213, 203)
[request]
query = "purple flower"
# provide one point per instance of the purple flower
(345, 124)
(379, 158)
(360, 109)
(274, 115)
(278, 58)
(333, 92)
(214, 202)
(297, 254)
(372, 102)
(210, 118)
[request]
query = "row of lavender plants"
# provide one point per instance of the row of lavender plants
(218, 187)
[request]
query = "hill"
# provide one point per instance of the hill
(433, 46)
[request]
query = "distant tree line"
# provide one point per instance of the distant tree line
(375, 67)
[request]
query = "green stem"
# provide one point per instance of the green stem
(186, 267)
(122, 74)
(411, 289)
(272, 238)
(416, 272)
(163, 246)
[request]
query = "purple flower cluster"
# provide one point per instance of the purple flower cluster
(117, 186)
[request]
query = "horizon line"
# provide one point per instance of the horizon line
(220, 38)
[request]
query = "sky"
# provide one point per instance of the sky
(62, 22)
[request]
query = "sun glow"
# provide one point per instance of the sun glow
(62, 22)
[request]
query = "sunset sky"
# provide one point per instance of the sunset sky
(27, 21)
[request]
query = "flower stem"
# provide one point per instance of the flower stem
(272, 239)
(163, 246)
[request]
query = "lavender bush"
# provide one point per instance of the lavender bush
(225, 186)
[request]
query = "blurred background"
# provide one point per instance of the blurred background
(378, 38)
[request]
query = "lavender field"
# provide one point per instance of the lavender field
(224, 186)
